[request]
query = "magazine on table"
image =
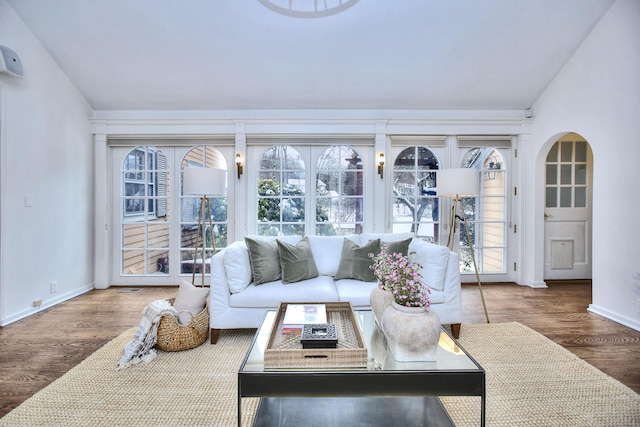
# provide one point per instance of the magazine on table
(298, 315)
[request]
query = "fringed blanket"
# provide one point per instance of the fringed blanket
(140, 349)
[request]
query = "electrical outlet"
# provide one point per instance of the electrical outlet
(37, 303)
(53, 287)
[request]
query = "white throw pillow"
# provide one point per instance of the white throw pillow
(190, 298)
(434, 260)
(237, 266)
(326, 252)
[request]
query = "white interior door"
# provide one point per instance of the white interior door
(568, 210)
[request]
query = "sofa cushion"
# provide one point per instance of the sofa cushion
(296, 261)
(434, 260)
(436, 297)
(237, 266)
(326, 252)
(384, 237)
(293, 239)
(355, 262)
(354, 238)
(271, 294)
(265, 264)
(358, 293)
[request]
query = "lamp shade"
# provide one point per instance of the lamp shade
(462, 182)
(204, 181)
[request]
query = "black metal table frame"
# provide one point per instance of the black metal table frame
(361, 382)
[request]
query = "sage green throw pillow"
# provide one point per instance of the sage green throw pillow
(296, 261)
(355, 262)
(399, 247)
(265, 265)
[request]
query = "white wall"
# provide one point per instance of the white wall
(597, 94)
(46, 137)
(46, 152)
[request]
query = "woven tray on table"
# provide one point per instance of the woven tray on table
(286, 351)
(173, 336)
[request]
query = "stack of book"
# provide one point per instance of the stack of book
(298, 315)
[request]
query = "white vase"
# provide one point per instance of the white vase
(379, 300)
(412, 333)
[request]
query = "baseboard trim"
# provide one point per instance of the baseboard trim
(631, 323)
(45, 304)
(537, 285)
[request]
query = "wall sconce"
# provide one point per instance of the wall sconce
(381, 165)
(239, 164)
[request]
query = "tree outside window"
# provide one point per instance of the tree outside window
(415, 200)
(281, 192)
(339, 192)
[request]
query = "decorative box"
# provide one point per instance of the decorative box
(322, 335)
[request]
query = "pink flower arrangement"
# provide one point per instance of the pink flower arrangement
(399, 275)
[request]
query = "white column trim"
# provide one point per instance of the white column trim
(3, 193)
(102, 201)
(531, 201)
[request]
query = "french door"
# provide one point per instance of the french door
(153, 223)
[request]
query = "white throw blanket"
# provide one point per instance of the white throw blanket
(140, 349)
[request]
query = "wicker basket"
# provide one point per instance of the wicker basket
(173, 336)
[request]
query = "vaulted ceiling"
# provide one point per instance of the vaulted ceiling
(377, 54)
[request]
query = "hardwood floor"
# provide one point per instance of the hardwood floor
(37, 350)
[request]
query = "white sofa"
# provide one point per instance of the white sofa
(237, 302)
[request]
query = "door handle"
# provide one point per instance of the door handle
(546, 215)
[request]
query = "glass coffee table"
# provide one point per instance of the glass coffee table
(386, 392)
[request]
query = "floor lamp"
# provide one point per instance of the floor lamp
(457, 183)
(203, 182)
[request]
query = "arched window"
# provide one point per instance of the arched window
(145, 213)
(486, 214)
(339, 192)
(201, 156)
(415, 200)
(281, 192)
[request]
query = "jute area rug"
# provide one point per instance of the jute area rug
(531, 381)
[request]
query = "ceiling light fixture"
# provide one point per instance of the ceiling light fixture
(308, 8)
